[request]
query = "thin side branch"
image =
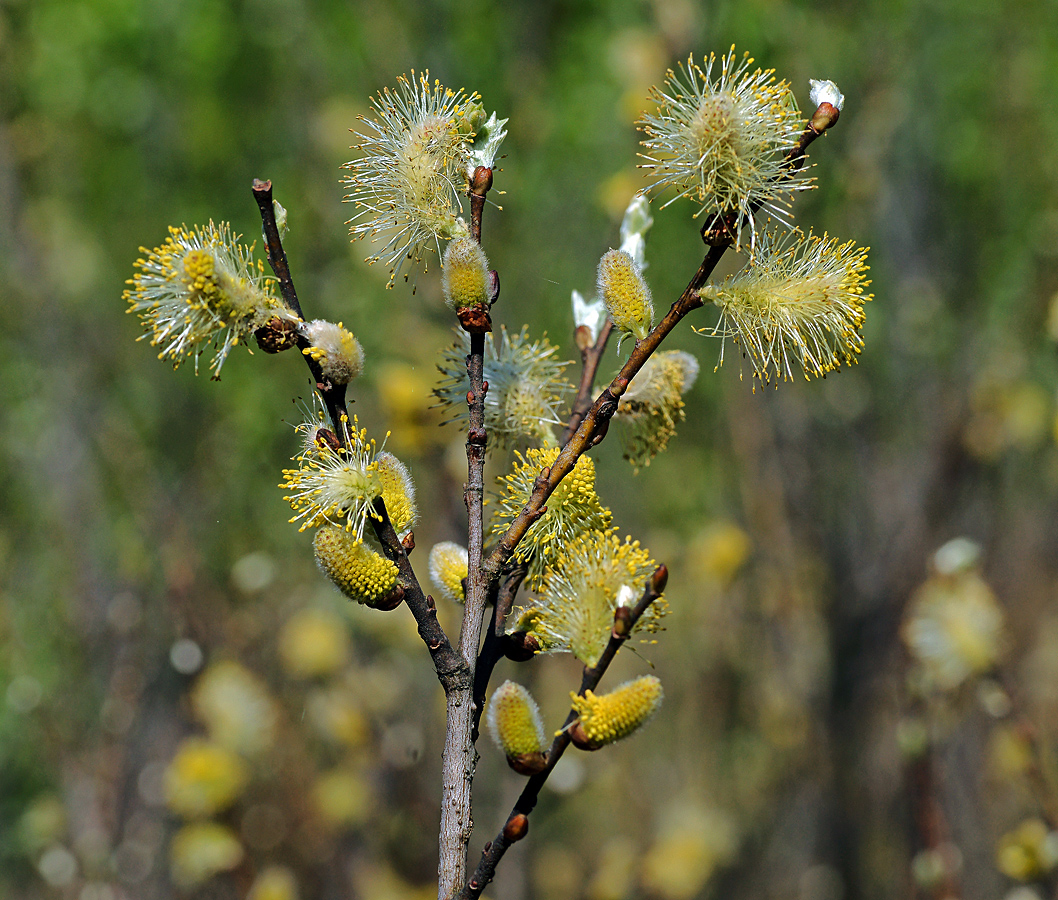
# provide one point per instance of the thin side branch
(590, 356)
(452, 672)
(333, 395)
(517, 822)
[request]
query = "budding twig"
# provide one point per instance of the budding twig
(517, 822)
(590, 356)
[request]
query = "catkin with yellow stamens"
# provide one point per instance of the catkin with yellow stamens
(514, 722)
(355, 568)
(609, 717)
(339, 354)
(625, 293)
(572, 509)
(448, 567)
(398, 492)
(465, 275)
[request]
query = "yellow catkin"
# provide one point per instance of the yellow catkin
(465, 275)
(398, 492)
(616, 715)
(514, 721)
(356, 570)
(448, 568)
(625, 293)
(573, 509)
(334, 347)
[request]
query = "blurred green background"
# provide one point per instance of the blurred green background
(152, 590)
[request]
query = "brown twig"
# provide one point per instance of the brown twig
(333, 395)
(451, 671)
(516, 826)
(590, 355)
(595, 423)
(459, 757)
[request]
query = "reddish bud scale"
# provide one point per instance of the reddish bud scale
(516, 828)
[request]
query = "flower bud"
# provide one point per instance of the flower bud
(514, 723)
(339, 354)
(276, 335)
(610, 717)
(625, 294)
(516, 828)
(356, 570)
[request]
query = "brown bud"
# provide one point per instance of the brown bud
(528, 763)
(579, 738)
(326, 438)
(520, 646)
(492, 286)
(659, 579)
(408, 542)
(824, 117)
(276, 335)
(516, 828)
(582, 337)
(391, 600)
(622, 621)
(481, 181)
(475, 319)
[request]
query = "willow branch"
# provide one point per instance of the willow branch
(459, 758)
(516, 826)
(451, 671)
(590, 355)
(592, 429)
(333, 395)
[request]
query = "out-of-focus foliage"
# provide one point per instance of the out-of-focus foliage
(154, 602)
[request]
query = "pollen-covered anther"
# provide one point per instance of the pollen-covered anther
(448, 570)
(514, 722)
(604, 719)
(339, 354)
(625, 293)
(357, 570)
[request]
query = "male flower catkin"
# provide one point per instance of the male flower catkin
(398, 492)
(406, 183)
(798, 304)
(525, 392)
(465, 275)
(449, 566)
(334, 483)
(355, 567)
(652, 405)
(625, 293)
(609, 717)
(339, 354)
(724, 142)
(572, 509)
(591, 576)
(514, 722)
(201, 287)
